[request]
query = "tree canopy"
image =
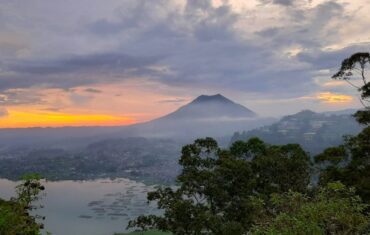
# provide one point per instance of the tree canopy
(333, 209)
(15, 217)
(221, 190)
(350, 162)
(355, 68)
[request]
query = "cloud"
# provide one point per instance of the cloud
(175, 101)
(331, 59)
(95, 62)
(284, 2)
(3, 112)
(93, 90)
(272, 49)
(79, 99)
(329, 97)
(279, 2)
(104, 27)
(74, 70)
(12, 97)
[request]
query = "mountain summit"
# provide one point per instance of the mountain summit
(211, 98)
(206, 115)
(211, 107)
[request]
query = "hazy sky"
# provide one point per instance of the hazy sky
(94, 62)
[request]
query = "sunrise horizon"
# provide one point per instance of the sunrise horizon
(47, 119)
(110, 66)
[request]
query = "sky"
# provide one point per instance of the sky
(119, 62)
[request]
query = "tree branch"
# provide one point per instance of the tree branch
(357, 87)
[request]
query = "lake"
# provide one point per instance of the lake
(99, 207)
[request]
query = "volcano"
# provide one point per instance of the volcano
(207, 115)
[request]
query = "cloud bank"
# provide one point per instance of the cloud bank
(269, 48)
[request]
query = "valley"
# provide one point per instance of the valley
(153, 155)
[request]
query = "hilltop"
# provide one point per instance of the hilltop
(314, 131)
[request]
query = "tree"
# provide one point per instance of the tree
(355, 68)
(333, 209)
(28, 192)
(350, 162)
(15, 218)
(282, 168)
(221, 191)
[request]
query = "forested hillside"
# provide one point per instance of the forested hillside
(313, 131)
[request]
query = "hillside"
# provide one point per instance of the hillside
(314, 131)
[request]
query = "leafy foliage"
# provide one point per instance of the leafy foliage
(222, 191)
(334, 209)
(15, 215)
(355, 67)
(350, 163)
(29, 190)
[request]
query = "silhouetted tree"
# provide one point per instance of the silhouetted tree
(354, 68)
(15, 217)
(222, 191)
(350, 162)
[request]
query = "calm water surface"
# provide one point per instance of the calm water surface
(99, 207)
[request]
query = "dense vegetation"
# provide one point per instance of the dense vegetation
(253, 187)
(333, 209)
(220, 190)
(258, 188)
(15, 217)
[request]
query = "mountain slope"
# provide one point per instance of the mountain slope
(314, 131)
(213, 115)
(211, 107)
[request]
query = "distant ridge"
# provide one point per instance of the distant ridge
(313, 131)
(341, 112)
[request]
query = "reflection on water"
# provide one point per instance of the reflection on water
(99, 207)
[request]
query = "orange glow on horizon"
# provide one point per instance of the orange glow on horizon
(18, 119)
(333, 98)
(114, 104)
